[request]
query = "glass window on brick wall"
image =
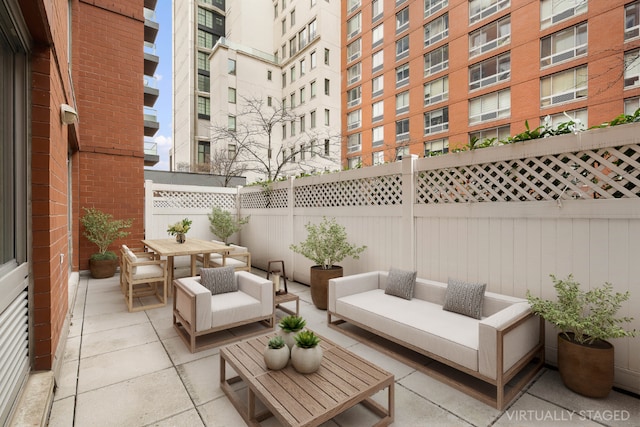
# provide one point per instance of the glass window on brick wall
(402, 75)
(354, 24)
(566, 86)
(496, 134)
(377, 86)
(354, 73)
(377, 136)
(402, 130)
(402, 20)
(432, 6)
(489, 72)
(631, 105)
(354, 96)
(632, 68)
(402, 152)
(353, 52)
(436, 121)
(377, 111)
(354, 142)
(436, 30)
(554, 11)
(480, 9)
(354, 119)
(352, 5)
(436, 147)
(377, 36)
(377, 8)
(489, 37)
(564, 45)
(377, 158)
(580, 117)
(402, 103)
(377, 61)
(436, 91)
(354, 162)
(632, 20)
(436, 60)
(402, 48)
(492, 106)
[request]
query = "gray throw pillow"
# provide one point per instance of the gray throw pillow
(401, 283)
(219, 280)
(465, 298)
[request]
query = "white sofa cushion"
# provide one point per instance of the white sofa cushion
(421, 323)
(233, 307)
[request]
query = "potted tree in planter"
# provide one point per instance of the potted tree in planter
(585, 321)
(223, 224)
(100, 228)
(326, 245)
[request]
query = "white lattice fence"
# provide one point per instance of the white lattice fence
(193, 199)
(258, 198)
(369, 191)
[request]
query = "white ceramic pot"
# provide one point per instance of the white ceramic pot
(276, 358)
(288, 337)
(306, 360)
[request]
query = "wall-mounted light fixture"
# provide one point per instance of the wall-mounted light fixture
(68, 114)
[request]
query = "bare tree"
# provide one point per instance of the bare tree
(223, 163)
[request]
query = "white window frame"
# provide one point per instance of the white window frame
(481, 9)
(354, 25)
(402, 20)
(377, 36)
(631, 105)
(442, 64)
(354, 96)
(402, 102)
(377, 158)
(571, 91)
(489, 107)
(440, 29)
(402, 48)
(572, 47)
(432, 6)
(354, 119)
(353, 5)
(555, 11)
(402, 75)
(377, 10)
(500, 66)
(441, 89)
(354, 73)
(354, 50)
(479, 41)
(354, 143)
(377, 136)
(377, 111)
(404, 134)
(632, 69)
(432, 125)
(439, 146)
(377, 61)
(377, 86)
(632, 21)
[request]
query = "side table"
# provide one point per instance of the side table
(282, 298)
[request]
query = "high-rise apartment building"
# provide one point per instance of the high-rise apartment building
(283, 56)
(151, 91)
(423, 76)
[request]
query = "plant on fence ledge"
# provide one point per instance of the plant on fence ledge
(223, 224)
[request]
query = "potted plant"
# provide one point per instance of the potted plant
(223, 224)
(289, 326)
(585, 321)
(306, 355)
(326, 245)
(276, 354)
(100, 228)
(180, 229)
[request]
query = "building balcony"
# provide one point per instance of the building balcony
(151, 91)
(151, 26)
(151, 156)
(151, 124)
(150, 4)
(151, 60)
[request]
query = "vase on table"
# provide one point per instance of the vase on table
(181, 237)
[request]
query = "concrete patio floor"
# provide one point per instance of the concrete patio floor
(131, 369)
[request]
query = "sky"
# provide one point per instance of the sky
(163, 75)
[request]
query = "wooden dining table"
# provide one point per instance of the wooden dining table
(170, 248)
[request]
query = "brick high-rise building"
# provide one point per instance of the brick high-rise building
(423, 76)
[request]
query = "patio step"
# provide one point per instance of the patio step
(35, 401)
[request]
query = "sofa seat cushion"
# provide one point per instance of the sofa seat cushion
(148, 272)
(232, 307)
(423, 324)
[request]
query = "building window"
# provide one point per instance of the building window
(293, 46)
(489, 72)
(354, 73)
(232, 95)
(204, 152)
(284, 103)
(284, 131)
(402, 152)
(284, 79)
(326, 56)
(377, 158)
(302, 39)
(554, 11)
(377, 7)
(578, 116)
(353, 26)
(205, 17)
(377, 111)
(632, 20)
(632, 68)
(312, 119)
(231, 123)
(313, 150)
(402, 75)
(203, 61)
(303, 95)
(432, 6)
(269, 101)
(489, 37)
(377, 61)
(275, 11)
(327, 147)
(303, 154)
(493, 106)
(566, 86)
(436, 60)
(630, 105)
(377, 136)
(269, 75)
(436, 121)
(283, 25)
(377, 35)
(292, 74)
(354, 143)
(354, 162)
(292, 100)
(480, 9)
(563, 45)
(402, 102)
(204, 82)
(352, 5)
(313, 60)
(496, 134)
(436, 91)
(353, 50)
(303, 67)
(293, 128)
(402, 20)
(326, 117)
(204, 107)
(377, 86)
(354, 96)
(231, 66)
(402, 48)
(354, 119)
(205, 39)
(292, 17)
(327, 87)
(313, 30)
(312, 89)
(231, 151)
(402, 130)
(436, 147)
(436, 30)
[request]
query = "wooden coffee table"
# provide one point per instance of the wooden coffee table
(343, 380)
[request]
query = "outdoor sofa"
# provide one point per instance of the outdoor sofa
(502, 342)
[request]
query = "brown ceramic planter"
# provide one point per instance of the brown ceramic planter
(101, 269)
(320, 284)
(586, 369)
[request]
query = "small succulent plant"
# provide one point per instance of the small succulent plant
(292, 323)
(276, 342)
(306, 339)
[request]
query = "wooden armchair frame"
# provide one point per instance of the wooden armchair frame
(137, 284)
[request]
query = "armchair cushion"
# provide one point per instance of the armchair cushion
(219, 280)
(464, 298)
